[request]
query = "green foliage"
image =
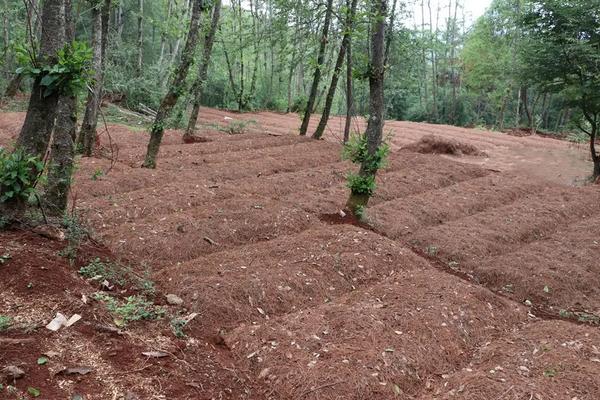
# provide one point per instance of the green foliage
(130, 309)
(361, 184)
(237, 127)
(19, 175)
(357, 151)
(5, 322)
(104, 270)
(75, 233)
(68, 75)
(562, 51)
(178, 326)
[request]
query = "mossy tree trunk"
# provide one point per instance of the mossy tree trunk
(62, 151)
(317, 75)
(337, 69)
(175, 89)
(374, 133)
(198, 86)
(87, 135)
(39, 120)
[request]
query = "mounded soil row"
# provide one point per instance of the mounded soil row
(562, 270)
(259, 281)
(504, 229)
(127, 179)
(541, 360)
(216, 226)
(403, 216)
(395, 338)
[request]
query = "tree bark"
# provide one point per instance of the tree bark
(140, 37)
(87, 135)
(14, 85)
(336, 71)
(374, 132)
(62, 152)
(176, 88)
(317, 75)
(39, 121)
(349, 90)
(203, 69)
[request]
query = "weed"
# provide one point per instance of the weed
(550, 373)
(580, 316)
(431, 250)
(132, 308)
(75, 233)
(237, 127)
(98, 269)
(98, 173)
(5, 322)
(146, 284)
(177, 325)
(578, 137)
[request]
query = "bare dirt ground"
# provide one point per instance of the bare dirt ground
(477, 277)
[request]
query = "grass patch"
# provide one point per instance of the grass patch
(130, 309)
(5, 322)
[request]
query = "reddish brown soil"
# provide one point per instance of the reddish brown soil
(432, 144)
(464, 264)
(36, 282)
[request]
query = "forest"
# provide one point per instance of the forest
(263, 53)
(299, 199)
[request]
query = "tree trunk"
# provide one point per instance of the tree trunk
(13, 86)
(62, 153)
(140, 37)
(336, 71)
(39, 121)
(163, 35)
(87, 135)
(349, 91)
(317, 75)
(203, 69)
(374, 133)
(175, 89)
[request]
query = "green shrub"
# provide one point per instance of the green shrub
(19, 174)
(356, 150)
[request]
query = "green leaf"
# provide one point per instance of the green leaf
(34, 392)
(47, 80)
(42, 360)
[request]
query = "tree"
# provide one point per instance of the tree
(203, 71)
(62, 151)
(562, 54)
(369, 150)
(350, 12)
(100, 16)
(317, 74)
(176, 88)
(39, 120)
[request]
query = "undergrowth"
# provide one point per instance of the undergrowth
(130, 309)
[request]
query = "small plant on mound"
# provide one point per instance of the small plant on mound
(130, 309)
(98, 269)
(237, 127)
(75, 234)
(5, 322)
(362, 184)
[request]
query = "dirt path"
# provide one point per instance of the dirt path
(478, 280)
